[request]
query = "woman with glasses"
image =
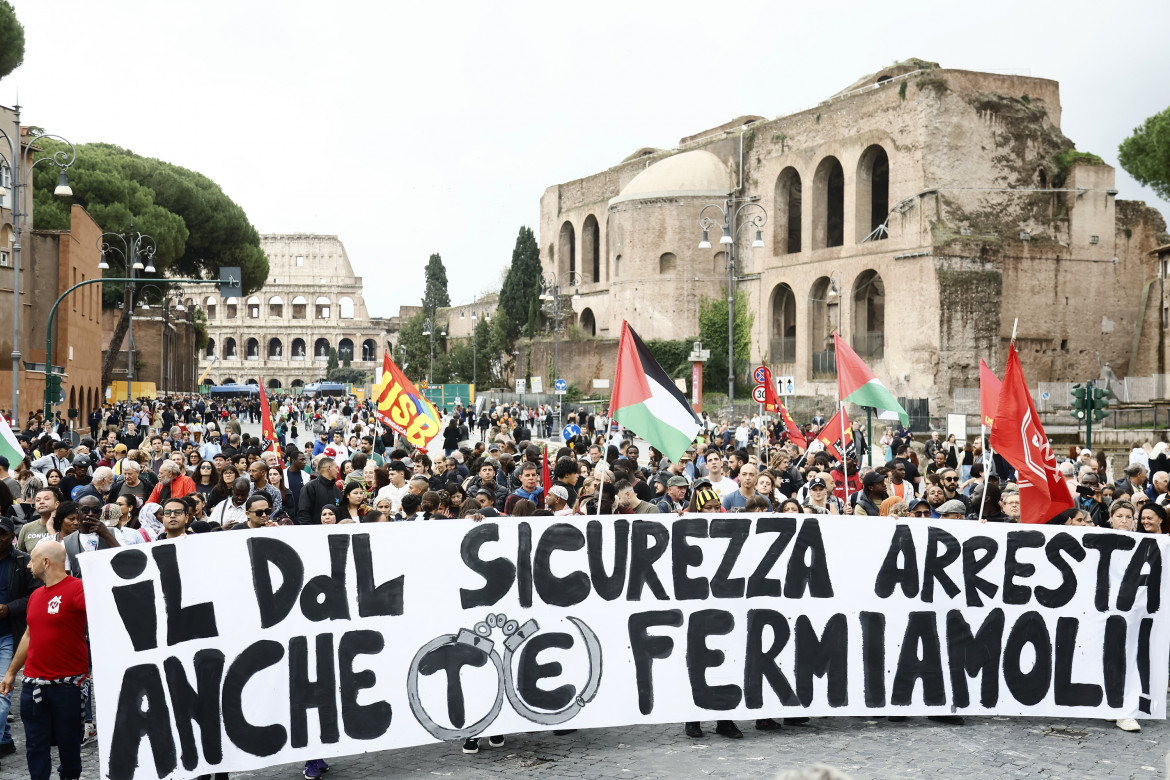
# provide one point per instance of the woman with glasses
(205, 477)
(193, 461)
(223, 486)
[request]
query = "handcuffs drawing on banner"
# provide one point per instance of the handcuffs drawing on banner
(515, 636)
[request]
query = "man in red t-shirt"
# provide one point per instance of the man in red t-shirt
(56, 666)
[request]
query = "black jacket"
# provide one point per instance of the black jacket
(317, 493)
(20, 583)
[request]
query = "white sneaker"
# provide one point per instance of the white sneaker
(1128, 724)
(88, 734)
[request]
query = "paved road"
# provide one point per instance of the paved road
(861, 748)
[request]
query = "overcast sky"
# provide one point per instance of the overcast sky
(412, 128)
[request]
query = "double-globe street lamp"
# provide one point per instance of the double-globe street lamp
(135, 246)
(550, 291)
(731, 221)
(14, 169)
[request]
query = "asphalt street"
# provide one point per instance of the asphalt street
(995, 747)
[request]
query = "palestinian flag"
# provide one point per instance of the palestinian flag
(857, 384)
(647, 402)
(9, 446)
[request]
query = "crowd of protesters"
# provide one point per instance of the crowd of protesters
(160, 470)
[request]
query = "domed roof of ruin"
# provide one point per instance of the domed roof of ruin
(689, 174)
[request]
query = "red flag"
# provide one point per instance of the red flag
(267, 429)
(545, 477)
(830, 435)
(774, 404)
(1019, 437)
(989, 387)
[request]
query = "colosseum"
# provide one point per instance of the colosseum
(311, 302)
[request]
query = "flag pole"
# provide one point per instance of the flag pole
(986, 481)
(844, 451)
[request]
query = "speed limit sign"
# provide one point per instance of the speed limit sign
(760, 393)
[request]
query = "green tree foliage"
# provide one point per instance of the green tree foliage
(1145, 155)
(11, 39)
(196, 228)
(344, 373)
(417, 346)
(483, 359)
(435, 295)
(521, 288)
(672, 355)
(713, 334)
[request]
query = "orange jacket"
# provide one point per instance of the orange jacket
(181, 485)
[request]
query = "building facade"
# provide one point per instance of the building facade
(312, 302)
(51, 262)
(920, 212)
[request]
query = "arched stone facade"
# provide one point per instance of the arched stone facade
(312, 297)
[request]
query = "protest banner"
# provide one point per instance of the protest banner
(237, 650)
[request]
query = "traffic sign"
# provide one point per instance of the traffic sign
(571, 430)
(538, 384)
(520, 386)
(1045, 396)
(760, 393)
(761, 374)
(786, 385)
(561, 386)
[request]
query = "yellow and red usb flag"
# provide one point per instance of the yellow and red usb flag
(403, 408)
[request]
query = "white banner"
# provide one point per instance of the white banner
(241, 649)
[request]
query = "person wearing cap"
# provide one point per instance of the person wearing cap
(58, 459)
(919, 508)
(873, 493)
(674, 499)
(952, 509)
(820, 499)
(558, 501)
(16, 583)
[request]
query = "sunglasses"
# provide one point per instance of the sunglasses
(89, 510)
(260, 512)
(920, 513)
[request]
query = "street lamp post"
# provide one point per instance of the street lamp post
(133, 249)
(14, 168)
(550, 290)
(729, 221)
(475, 315)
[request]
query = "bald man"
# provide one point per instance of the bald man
(56, 666)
